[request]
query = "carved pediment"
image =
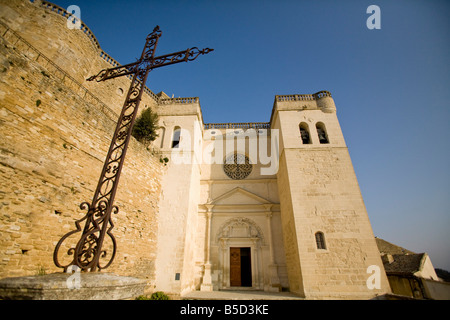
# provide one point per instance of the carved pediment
(239, 196)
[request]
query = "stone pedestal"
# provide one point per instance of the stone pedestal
(72, 286)
(207, 280)
(275, 285)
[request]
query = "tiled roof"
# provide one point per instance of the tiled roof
(386, 247)
(399, 260)
(404, 263)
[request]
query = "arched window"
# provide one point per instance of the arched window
(322, 132)
(176, 137)
(320, 240)
(162, 134)
(304, 133)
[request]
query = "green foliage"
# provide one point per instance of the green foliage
(146, 126)
(40, 271)
(164, 160)
(159, 295)
(443, 274)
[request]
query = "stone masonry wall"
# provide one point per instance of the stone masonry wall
(74, 51)
(53, 142)
(328, 200)
(289, 232)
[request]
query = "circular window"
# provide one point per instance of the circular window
(237, 166)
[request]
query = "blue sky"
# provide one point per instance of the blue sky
(391, 86)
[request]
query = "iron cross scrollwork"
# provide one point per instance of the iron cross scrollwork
(89, 249)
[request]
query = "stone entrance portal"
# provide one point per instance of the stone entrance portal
(239, 254)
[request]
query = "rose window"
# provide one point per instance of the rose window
(237, 166)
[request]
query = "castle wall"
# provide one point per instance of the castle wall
(77, 52)
(53, 145)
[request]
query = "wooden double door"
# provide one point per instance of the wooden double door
(240, 267)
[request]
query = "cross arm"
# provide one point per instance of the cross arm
(151, 62)
(119, 71)
(131, 68)
(176, 57)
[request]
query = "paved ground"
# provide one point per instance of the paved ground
(240, 295)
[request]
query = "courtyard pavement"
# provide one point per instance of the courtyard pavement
(239, 295)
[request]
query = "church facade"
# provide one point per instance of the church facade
(266, 206)
(270, 206)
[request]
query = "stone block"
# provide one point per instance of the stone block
(72, 286)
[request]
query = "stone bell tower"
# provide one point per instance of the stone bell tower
(328, 239)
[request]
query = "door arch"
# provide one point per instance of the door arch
(240, 239)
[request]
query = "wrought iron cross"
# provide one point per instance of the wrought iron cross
(98, 223)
